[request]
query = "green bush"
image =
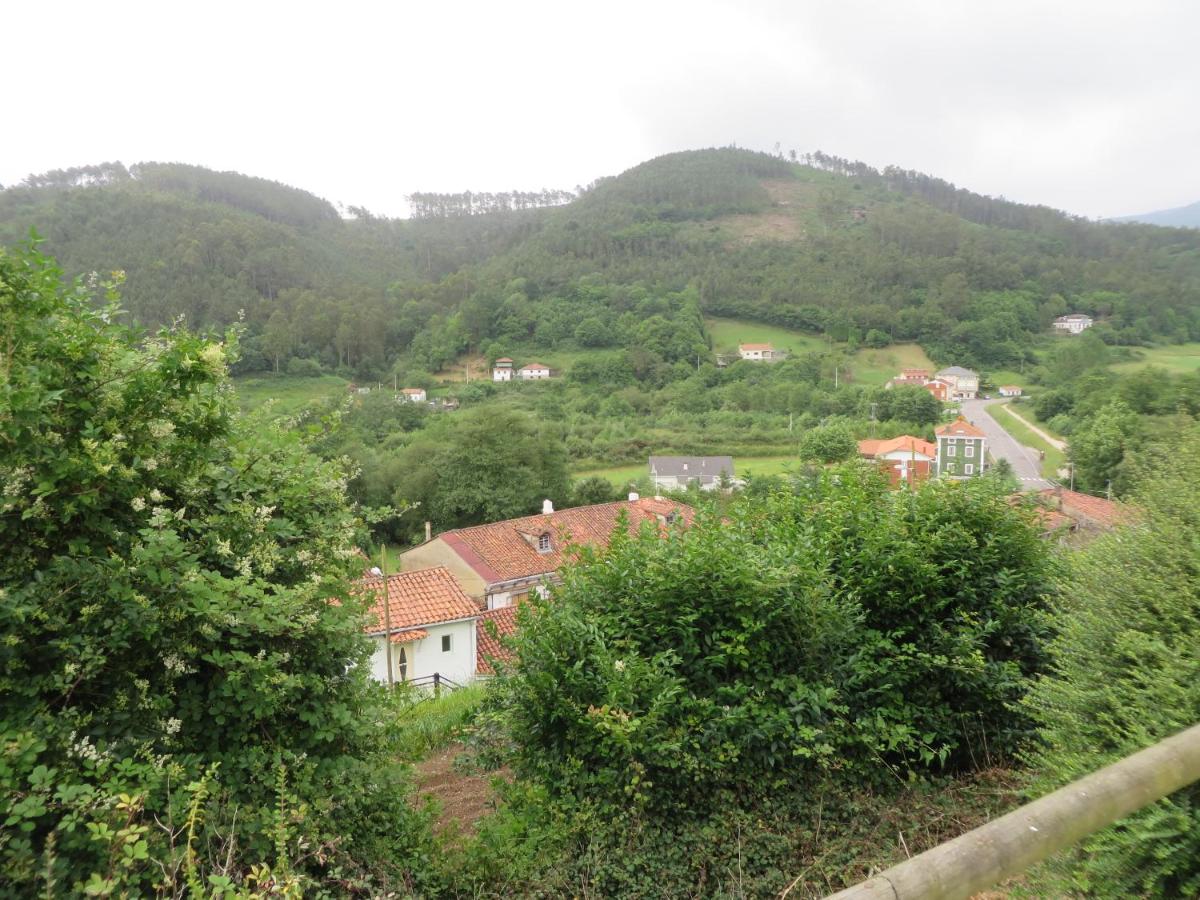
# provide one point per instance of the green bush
(166, 569)
(1127, 674)
(300, 367)
(842, 630)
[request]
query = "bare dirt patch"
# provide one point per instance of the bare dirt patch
(463, 797)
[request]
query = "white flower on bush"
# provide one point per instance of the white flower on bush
(138, 504)
(223, 547)
(160, 429)
(619, 665)
(172, 726)
(150, 464)
(157, 496)
(160, 517)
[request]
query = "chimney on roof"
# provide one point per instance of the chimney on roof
(633, 497)
(547, 507)
(429, 531)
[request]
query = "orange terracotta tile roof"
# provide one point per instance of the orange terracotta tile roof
(412, 390)
(416, 598)
(493, 626)
(905, 442)
(960, 427)
(505, 551)
(405, 636)
(756, 346)
(504, 359)
(534, 366)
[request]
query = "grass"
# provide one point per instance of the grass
(560, 362)
(290, 394)
(1008, 376)
(878, 366)
(742, 466)
(1055, 458)
(1178, 358)
(429, 723)
(728, 333)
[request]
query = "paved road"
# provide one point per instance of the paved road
(1025, 462)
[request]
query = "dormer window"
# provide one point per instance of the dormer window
(543, 544)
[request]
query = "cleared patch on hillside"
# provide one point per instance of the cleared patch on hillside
(728, 333)
(789, 218)
(463, 798)
(878, 366)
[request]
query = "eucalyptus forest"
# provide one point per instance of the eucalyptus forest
(201, 434)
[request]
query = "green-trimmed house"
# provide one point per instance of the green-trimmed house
(961, 449)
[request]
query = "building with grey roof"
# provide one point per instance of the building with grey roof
(677, 472)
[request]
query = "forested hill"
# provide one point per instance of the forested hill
(1177, 217)
(816, 242)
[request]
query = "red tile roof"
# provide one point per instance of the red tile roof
(905, 442)
(504, 359)
(412, 390)
(504, 551)
(960, 427)
(493, 626)
(534, 366)
(756, 346)
(416, 598)
(405, 636)
(1085, 506)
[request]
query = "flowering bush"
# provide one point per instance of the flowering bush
(165, 574)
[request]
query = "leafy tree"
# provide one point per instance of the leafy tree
(1098, 448)
(828, 443)
(167, 569)
(481, 466)
(1127, 674)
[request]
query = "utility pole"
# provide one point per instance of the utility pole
(387, 620)
(835, 377)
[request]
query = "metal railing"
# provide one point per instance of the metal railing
(1011, 844)
(437, 681)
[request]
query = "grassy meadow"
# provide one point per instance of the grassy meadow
(1180, 359)
(289, 393)
(878, 366)
(728, 333)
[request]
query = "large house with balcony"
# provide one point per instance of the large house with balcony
(1075, 323)
(961, 449)
(964, 383)
(501, 563)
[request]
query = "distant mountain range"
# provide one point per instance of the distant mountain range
(1179, 217)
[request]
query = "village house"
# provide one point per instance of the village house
(504, 562)
(413, 395)
(907, 459)
(677, 472)
(940, 389)
(757, 352)
(423, 623)
(502, 369)
(1075, 323)
(533, 372)
(964, 383)
(961, 449)
(1010, 390)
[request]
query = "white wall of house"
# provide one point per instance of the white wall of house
(502, 374)
(534, 374)
(415, 396)
(426, 656)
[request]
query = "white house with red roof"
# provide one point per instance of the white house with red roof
(502, 369)
(757, 352)
(906, 459)
(423, 623)
(414, 395)
(534, 371)
(501, 563)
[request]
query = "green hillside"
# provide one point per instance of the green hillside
(821, 246)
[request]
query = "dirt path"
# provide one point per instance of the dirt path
(463, 798)
(1052, 441)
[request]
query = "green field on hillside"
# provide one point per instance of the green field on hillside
(742, 466)
(878, 366)
(290, 394)
(1178, 358)
(559, 361)
(728, 333)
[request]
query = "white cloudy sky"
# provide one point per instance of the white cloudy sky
(1087, 106)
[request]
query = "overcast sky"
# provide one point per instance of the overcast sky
(1088, 106)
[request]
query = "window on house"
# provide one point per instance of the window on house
(445, 643)
(970, 469)
(970, 450)
(950, 448)
(544, 543)
(402, 665)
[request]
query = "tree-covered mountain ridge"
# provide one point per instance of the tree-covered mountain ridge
(814, 242)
